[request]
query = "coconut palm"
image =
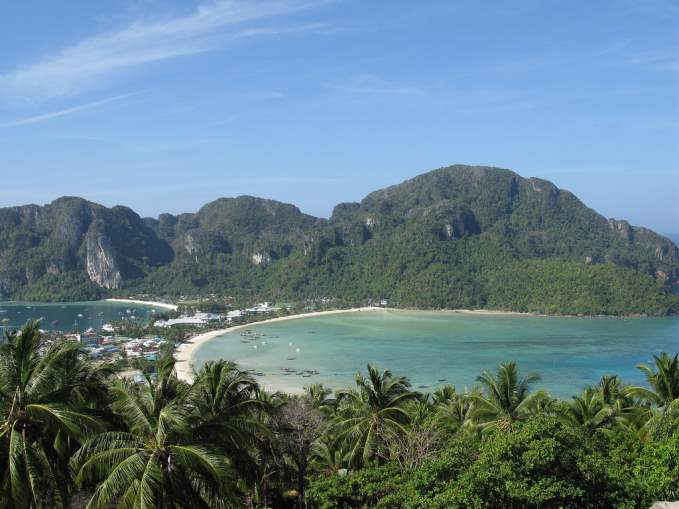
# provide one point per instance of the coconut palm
(225, 410)
(158, 462)
(610, 389)
(663, 379)
(47, 394)
(443, 394)
(225, 403)
(456, 412)
(328, 456)
(588, 410)
(506, 399)
(420, 410)
(319, 397)
(373, 412)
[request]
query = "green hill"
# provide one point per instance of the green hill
(457, 237)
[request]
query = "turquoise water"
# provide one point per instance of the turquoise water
(66, 317)
(436, 348)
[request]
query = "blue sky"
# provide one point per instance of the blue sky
(164, 106)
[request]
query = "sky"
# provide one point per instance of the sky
(164, 106)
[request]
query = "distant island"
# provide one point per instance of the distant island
(457, 237)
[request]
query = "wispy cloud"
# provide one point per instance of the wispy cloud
(373, 85)
(150, 146)
(68, 111)
(81, 66)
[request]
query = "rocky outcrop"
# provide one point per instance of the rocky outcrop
(622, 228)
(75, 244)
(101, 265)
(190, 243)
(436, 222)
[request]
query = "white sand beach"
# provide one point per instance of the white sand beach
(184, 352)
(163, 305)
(492, 312)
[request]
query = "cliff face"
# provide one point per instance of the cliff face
(446, 238)
(100, 260)
(74, 239)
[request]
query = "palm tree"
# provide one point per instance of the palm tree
(610, 388)
(420, 410)
(267, 456)
(664, 381)
(444, 394)
(456, 412)
(319, 397)
(370, 414)
(507, 399)
(157, 462)
(587, 410)
(328, 456)
(225, 406)
(226, 410)
(47, 394)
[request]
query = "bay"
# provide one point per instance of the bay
(71, 316)
(435, 348)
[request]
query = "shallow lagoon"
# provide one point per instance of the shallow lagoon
(69, 316)
(433, 348)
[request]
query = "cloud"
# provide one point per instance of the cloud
(68, 111)
(372, 85)
(82, 65)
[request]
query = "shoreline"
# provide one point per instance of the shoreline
(184, 352)
(164, 305)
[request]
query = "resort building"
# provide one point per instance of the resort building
(197, 319)
(262, 307)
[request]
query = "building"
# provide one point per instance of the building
(234, 315)
(197, 319)
(262, 307)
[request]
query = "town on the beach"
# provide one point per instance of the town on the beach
(132, 345)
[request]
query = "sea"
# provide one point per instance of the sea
(71, 316)
(439, 348)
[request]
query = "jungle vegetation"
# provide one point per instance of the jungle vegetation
(72, 434)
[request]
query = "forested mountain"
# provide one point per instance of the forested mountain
(455, 237)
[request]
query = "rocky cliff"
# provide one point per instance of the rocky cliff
(73, 238)
(460, 236)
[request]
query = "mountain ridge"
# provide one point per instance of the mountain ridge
(440, 239)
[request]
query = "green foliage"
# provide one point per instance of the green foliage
(457, 237)
(567, 287)
(71, 286)
(162, 457)
(373, 413)
(663, 379)
(70, 430)
(361, 488)
(656, 470)
(506, 399)
(48, 403)
(544, 464)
